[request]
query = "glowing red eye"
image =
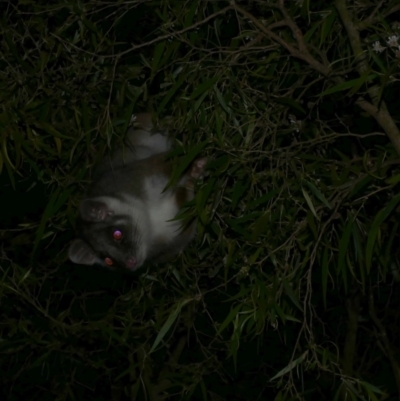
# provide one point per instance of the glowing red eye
(108, 261)
(117, 234)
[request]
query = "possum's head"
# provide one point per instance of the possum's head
(114, 233)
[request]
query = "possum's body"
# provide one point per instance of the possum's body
(125, 214)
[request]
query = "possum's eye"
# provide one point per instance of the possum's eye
(108, 261)
(117, 234)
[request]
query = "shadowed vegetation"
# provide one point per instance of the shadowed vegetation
(291, 289)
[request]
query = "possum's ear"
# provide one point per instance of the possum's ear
(81, 253)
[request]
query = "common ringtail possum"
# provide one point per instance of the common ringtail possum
(126, 214)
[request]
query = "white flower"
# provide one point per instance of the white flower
(392, 41)
(396, 25)
(378, 47)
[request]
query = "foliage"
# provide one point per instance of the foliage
(291, 289)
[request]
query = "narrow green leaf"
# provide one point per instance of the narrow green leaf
(393, 180)
(325, 273)
(309, 202)
(113, 334)
(310, 33)
(318, 194)
(238, 190)
(191, 13)
(221, 100)
(158, 53)
(262, 199)
(261, 225)
(327, 25)
(360, 185)
(51, 130)
(254, 256)
(290, 366)
(5, 153)
(56, 201)
(167, 325)
(343, 245)
(287, 101)
(171, 92)
(290, 293)
(311, 224)
(305, 10)
(232, 315)
(185, 161)
(378, 60)
(219, 165)
(373, 232)
(203, 87)
(203, 195)
(349, 84)
(372, 387)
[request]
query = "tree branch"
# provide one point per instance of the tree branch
(302, 53)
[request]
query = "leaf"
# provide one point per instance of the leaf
(190, 14)
(171, 93)
(287, 101)
(5, 153)
(309, 202)
(167, 325)
(393, 180)
(219, 165)
(262, 199)
(58, 145)
(378, 60)
(371, 387)
(261, 225)
(232, 314)
(360, 185)
(203, 87)
(305, 10)
(56, 201)
(344, 243)
(325, 272)
(327, 25)
(158, 53)
(349, 84)
(373, 232)
(221, 100)
(203, 195)
(290, 366)
(239, 189)
(113, 334)
(310, 33)
(185, 162)
(318, 194)
(290, 293)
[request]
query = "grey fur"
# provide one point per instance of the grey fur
(127, 196)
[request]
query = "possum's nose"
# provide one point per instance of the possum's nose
(131, 263)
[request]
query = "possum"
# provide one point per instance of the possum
(127, 215)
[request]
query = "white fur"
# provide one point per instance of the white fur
(161, 208)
